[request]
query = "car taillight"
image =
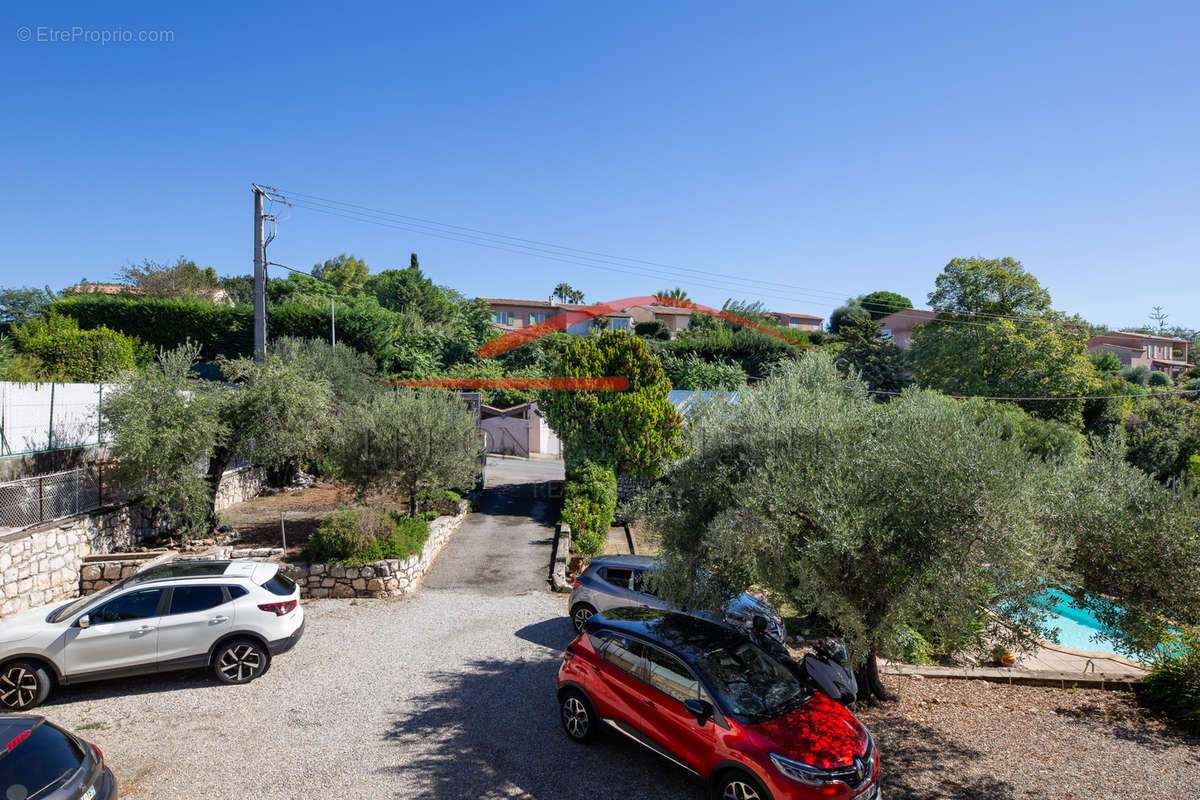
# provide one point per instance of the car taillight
(279, 609)
(99, 754)
(20, 738)
(575, 585)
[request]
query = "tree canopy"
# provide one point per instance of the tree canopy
(907, 518)
(988, 286)
(636, 431)
(567, 293)
(409, 290)
(880, 304)
(345, 272)
(180, 279)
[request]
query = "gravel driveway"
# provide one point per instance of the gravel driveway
(451, 695)
(447, 695)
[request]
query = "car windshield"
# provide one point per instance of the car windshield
(74, 607)
(749, 683)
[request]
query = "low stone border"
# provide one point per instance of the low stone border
(395, 577)
(558, 560)
(1018, 677)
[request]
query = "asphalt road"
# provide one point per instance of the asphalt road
(449, 694)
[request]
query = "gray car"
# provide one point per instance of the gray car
(616, 581)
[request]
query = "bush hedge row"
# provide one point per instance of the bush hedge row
(355, 535)
(589, 503)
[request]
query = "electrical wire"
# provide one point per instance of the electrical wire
(822, 294)
(552, 256)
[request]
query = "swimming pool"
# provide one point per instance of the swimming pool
(1076, 626)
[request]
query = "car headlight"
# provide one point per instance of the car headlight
(800, 772)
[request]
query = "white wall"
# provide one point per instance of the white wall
(26, 411)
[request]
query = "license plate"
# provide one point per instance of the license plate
(90, 793)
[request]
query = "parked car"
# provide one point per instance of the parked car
(705, 697)
(617, 581)
(232, 616)
(41, 760)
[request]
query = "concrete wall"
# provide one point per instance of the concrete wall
(41, 416)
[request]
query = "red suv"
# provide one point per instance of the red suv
(701, 695)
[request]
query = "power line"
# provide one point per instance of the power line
(539, 252)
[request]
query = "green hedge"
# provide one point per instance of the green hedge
(353, 535)
(167, 323)
(589, 502)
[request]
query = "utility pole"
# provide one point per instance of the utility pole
(260, 278)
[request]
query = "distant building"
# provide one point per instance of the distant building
(1160, 353)
(899, 325)
(800, 322)
(513, 314)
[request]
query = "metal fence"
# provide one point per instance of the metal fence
(29, 501)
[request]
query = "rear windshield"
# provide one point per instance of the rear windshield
(280, 584)
(41, 761)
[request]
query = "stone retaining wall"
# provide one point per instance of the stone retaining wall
(240, 486)
(395, 577)
(42, 564)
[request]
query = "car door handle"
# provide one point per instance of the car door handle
(650, 703)
(145, 629)
(220, 618)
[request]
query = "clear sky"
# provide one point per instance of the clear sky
(802, 152)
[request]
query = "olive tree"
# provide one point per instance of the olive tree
(879, 518)
(408, 440)
(163, 429)
(919, 514)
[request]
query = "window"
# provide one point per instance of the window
(669, 675)
(501, 318)
(135, 605)
(625, 654)
(281, 585)
(41, 760)
(190, 599)
(795, 322)
(237, 591)
(619, 577)
(619, 323)
(536, 316)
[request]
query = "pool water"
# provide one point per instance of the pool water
(1077, 627)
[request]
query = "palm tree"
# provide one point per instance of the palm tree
(677, 293)
(567, 293)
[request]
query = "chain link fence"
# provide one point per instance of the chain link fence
(29, 501)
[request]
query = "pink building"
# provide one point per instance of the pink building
(1159, 353)
(899, 325)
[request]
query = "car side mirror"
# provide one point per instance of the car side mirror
(702, 710)
(84, 621)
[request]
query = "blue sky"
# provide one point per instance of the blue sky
(802, 152)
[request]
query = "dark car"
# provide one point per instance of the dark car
(41, 761)
(705, 697)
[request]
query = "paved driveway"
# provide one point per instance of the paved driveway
(447, 695)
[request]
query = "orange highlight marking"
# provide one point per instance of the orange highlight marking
(569, 384)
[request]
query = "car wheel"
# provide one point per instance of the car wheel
(240, 661)
(578, 718)
(738, 785)
(23, 685)
(580, 615)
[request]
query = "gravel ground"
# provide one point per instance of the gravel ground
(969, 739)
(451, 695)
(447, 695)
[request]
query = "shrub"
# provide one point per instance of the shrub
(690, 371)
(1158, 379)
(1139, 374)
(353, 535)
(653, 329)
(70, 354)
(1173, 685)
(589, 502)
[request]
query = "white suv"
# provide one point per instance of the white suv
(230, 615)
